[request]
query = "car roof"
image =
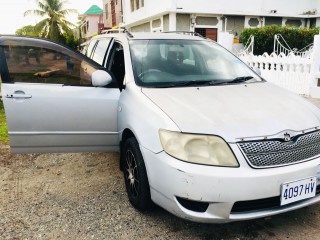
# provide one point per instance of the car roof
(165, 36)
(156, 36)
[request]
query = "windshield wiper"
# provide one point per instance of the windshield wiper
(240, 79)
(203, 82)
(194, 83)
(185, 84)
(235, 80)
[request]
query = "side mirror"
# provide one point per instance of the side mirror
(100, 78)
(257, 70)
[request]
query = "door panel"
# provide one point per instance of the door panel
(50, 103)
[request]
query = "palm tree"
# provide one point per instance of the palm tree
(54, 25)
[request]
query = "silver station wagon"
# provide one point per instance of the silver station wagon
(200, 133)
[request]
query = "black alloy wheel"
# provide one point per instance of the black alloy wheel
(135, 175)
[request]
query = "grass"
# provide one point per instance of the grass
(4, 139)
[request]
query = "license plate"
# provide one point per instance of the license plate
(298, 190)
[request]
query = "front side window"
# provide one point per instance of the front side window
(116, 63)
(42, 65)
(179, 62)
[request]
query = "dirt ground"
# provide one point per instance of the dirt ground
(82, 196)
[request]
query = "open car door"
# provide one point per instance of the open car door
(50, 102)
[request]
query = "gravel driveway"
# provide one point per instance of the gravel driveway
(82, 196)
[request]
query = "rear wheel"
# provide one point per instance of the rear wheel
(135, 175)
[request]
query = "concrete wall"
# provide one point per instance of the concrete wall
(273, 21)
(208, 21)
(212, 21)
(145, 27)
(235, 24)
(156, 23)
(183, 22)
(165, 23)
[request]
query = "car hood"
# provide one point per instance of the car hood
(236, 112)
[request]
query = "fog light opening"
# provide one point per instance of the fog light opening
(194, 206)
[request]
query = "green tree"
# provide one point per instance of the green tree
(72, 41)
(54, 25)
(28, 30)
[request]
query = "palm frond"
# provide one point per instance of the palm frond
(68, 11)
(42, 6)
(41, 25)
(34, 12)
(65, 28)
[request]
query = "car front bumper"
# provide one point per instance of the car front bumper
(221, 187)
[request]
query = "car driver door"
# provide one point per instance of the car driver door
(50, 102)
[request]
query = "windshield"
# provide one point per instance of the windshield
(170, 63)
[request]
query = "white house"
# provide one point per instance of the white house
(91, 22)
(209, 17)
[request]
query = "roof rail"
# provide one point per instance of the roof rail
(127, 32)
(186, 32)
(118, 30)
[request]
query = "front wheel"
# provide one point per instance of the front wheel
(135, 175)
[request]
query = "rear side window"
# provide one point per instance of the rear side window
(100, 50)
(43, 65)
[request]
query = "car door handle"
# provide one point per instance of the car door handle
(19, 96)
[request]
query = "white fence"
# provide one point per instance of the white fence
(297, 71)
(291, 72)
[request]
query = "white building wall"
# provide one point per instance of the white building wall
(283, 8)
(151, 9)
(292, 8)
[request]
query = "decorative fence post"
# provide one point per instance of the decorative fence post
(315, 69)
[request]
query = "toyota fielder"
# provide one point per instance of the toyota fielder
(200, 133)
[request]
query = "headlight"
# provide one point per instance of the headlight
(200, 149)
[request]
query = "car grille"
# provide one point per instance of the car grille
(261, 204)
(276, 152)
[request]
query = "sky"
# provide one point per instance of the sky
(11, 13)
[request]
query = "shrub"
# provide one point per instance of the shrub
(264, 37)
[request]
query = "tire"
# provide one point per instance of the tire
(135, 175)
